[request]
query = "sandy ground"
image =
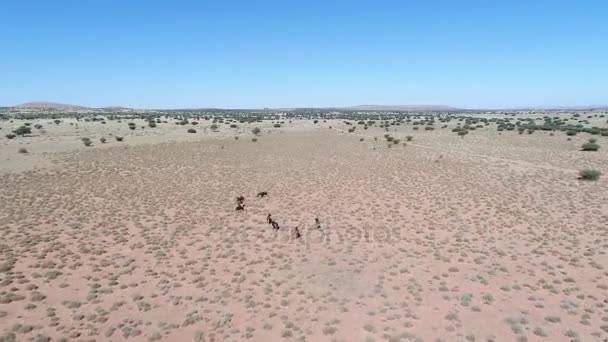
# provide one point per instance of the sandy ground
(490, 237)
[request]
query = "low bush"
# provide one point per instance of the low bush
(590, 147)
(589, 174)
(23, 130)
(191, 130)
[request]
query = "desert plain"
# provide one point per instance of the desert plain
(488, 236)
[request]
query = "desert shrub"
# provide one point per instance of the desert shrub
(590, 147)
(119, 138)
(152, 124)
(214, 127)
(87, 141)
(191, 130)
(254, 139)
(360, 139)
(23, 150)
(103, 140)
(571, 132)
(23, 130)
(352, 129)
(277, 125)
(463, 132)
(389, 138)
(429, 128)
(396, 141)
(233, 126)
(194, 123)
(416, 128)
(236, 138)
(38, 126)
(256, 130)
(589, 174)
(593, 140)
(409, 138)
(315, 121)
(10, 136)
(57, 121)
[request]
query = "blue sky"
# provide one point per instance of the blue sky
(254, 54)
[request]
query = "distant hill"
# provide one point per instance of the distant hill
(435, 108)
(49, 105)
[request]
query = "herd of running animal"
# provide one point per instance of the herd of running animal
(240, 206)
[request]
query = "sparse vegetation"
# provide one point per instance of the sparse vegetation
(191, 130)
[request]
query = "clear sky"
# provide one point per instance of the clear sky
(254, 54)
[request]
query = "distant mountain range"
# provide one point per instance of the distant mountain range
(49, 105)
(63, 106)
(368, 107)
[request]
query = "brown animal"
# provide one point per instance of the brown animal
(262, 194)
(317, 223)
(240, 207)
(296, 232)
(240, 200)
(269, 219)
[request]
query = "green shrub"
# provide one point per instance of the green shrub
(254, 139)
(257, 130)
(10, 136)
(23, 150)
(23, 130)
(191, 130)
(589, 174)
(152, 124)
(590, 147)
(87, 141)
(103, 140)
(571, 132)
(277, 125)
(409, 138)
(119, 138)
